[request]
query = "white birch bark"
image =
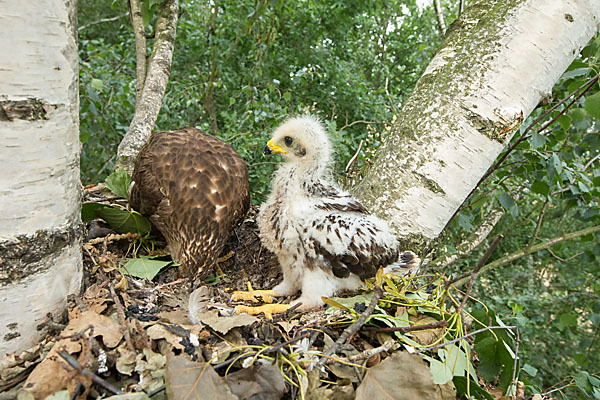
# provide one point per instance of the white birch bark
(498, 60)
(40, 201)
(439, 15)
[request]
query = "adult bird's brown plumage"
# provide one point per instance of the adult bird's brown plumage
(194, 188)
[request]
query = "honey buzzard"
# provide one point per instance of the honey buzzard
(325, 240)
(194, 188)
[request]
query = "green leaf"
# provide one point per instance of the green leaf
(508, 203)
(594, 381)
(576, 72)
(461, 382)
(579, 358)
(441, 372)
(556, 163)
(146, 12)
(537, 140)
(118, 183)
(566, 320)
(582, 381)
(88, 211)
(489, 367)
(578, 114)
(564, 121)
(592, 105)
(124, 221)
(540, 187)
(144, 267)
(531, 371)
(97, 84)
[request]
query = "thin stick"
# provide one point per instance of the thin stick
(479, 265)
(355, 156)
(514, 374)
(86, 372)
(263, 351)
(538, 225)
(365, 355)
(532, 249)
(403, 329)
(487, 328)
(122, 319)
(475, 272)
(352, 329)
(559, 388)
(82, 27)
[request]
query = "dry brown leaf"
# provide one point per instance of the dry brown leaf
(103, 326)
(14, 367)
(158, 331)
(224, 324)
(264, 382)
(178, 317)
(151, 369)
(497, 393)
(336, 392)
(401, 376)
(126, 359)
(192, 380)
(96, 297)
(428, 337)
(53, 374)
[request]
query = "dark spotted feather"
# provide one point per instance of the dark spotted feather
(194, 188)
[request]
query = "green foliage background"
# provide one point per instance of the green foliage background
(239, 69)
(239, 72)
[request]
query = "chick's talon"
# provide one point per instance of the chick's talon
(251, 295)
(267, 309)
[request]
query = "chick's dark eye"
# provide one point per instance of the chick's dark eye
(288, 141)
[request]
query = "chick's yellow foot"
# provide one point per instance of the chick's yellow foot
(267, 309)
(251, 295)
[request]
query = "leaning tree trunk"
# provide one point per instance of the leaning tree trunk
(497, 61)
(148, 103)
(40, 236)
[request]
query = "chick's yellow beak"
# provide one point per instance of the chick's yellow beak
(273, 148)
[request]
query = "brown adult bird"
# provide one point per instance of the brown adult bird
(194, 188)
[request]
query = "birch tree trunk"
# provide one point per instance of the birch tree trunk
(498, 60)
(40, 236)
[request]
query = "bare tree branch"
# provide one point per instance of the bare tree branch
(100, 21)
(159, 69)
(532, 249)
(439, 14)
(461, 7)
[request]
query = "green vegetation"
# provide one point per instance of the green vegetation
(238, 73)
(242, 67)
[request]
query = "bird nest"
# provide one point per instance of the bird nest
(126, 334)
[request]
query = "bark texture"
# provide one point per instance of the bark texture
(159, 69)
(40, 200)
(137, 21)
(497, 61)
